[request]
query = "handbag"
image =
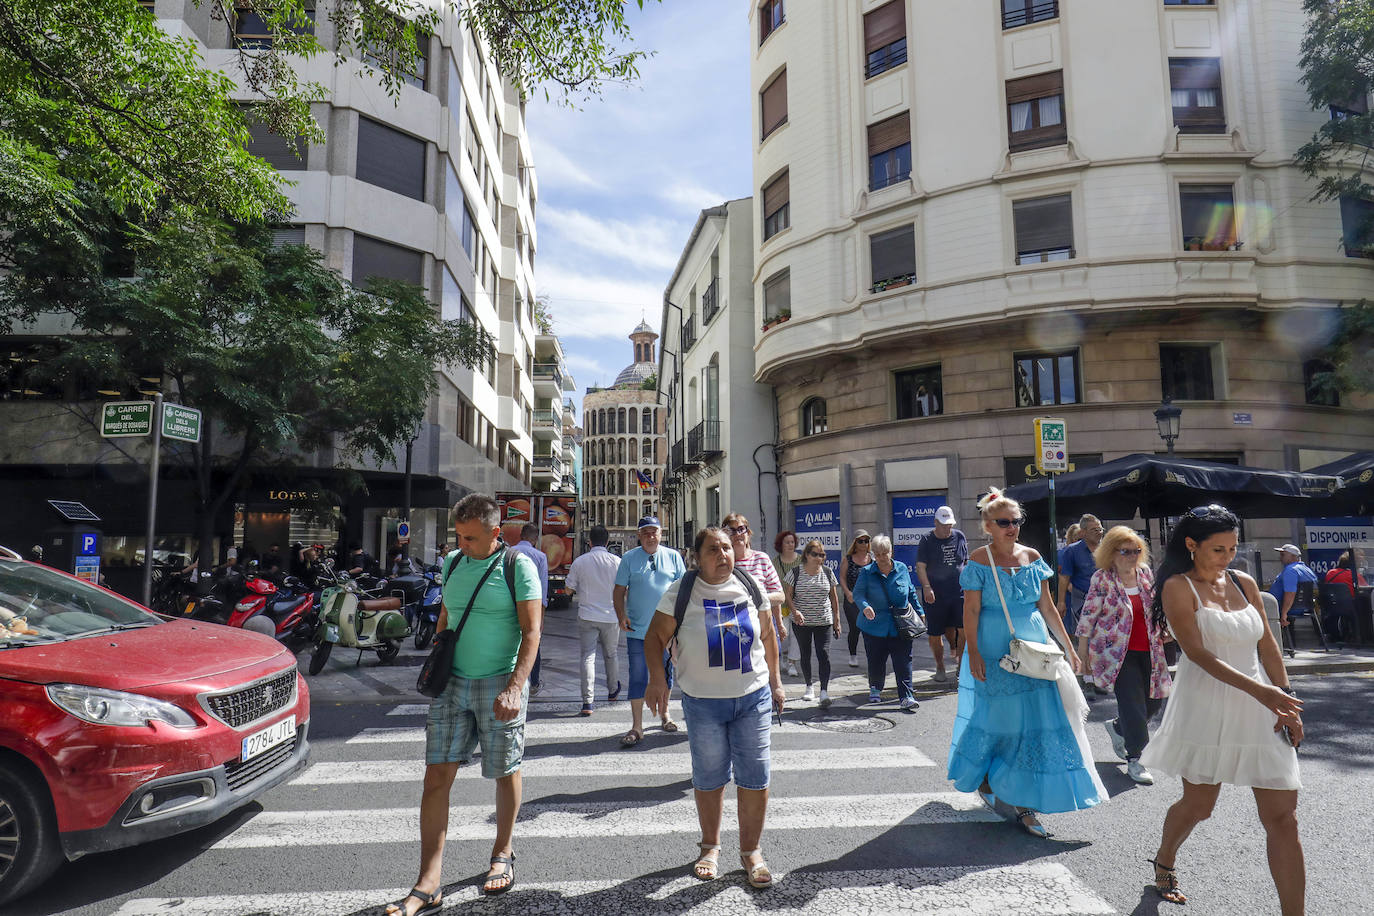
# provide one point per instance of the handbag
(910, 625)
(437, 669)
(1029, 659)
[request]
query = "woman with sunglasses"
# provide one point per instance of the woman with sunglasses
(1124, 651)
(1231, 718)
(855, 559)
(885, 587)
(1015, 742)
(813, 593)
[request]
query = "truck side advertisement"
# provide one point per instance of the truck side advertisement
(557, 519)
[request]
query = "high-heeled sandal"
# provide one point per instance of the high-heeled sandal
(759, 874)
(1034, 828)
(1166, 883)
(706, 869)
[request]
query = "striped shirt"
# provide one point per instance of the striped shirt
(760, 565)
(811, 595)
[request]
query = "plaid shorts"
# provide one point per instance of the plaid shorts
(462, 717)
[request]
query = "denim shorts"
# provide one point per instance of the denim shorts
(463, 717)
(639, 668)
(729, 734)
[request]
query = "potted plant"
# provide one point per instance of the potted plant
(1194, 243)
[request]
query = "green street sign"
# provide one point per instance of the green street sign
(181, 423)
(119, 419)
(1051, 445)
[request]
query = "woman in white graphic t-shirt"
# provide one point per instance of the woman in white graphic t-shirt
(726, 659)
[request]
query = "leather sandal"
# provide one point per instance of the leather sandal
(706, 868)
(1166, 883)
(429, 903)
(759, 875)
(507, 871)
(1034, 827)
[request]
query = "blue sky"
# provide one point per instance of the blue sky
(622, 178)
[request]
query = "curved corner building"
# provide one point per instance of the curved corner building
(969, 217)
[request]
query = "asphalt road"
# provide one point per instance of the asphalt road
(861, 821)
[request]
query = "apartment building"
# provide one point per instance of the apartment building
(972, 216)
(554, 418)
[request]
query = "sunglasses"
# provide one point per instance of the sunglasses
(812, 553)
(863, 540)
(1010, 522)
(1129, 551)
(1204, 511)
(738, 529)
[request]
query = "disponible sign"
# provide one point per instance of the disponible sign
(119, 419)
(913, 517)
(1328, 538)
(821, 522)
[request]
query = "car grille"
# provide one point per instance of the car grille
(240, 774)
(239, 707)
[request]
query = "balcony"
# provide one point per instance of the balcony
(547, 424)
(1023, 13)
(689, 333)
(678, 458)
(548, 380)
(547, 467)
(703, 441)
(710, 301)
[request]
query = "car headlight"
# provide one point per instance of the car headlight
(114, 707)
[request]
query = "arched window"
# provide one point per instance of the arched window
(620, 451)
(648, 507)
(620, 515)
(813, 417)
(620, 421)
(648, 425)
(633, 449)
(648, 452)
(634, 420)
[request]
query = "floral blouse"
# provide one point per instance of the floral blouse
(1106, 621)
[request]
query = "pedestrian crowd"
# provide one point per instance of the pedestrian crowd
(719, 626)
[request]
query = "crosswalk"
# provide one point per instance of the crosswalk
(835, 829)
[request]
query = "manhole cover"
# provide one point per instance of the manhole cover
(849, 724)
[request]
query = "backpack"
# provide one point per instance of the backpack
(508, 560)
(689, 581)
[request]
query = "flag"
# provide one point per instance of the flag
(645, 483)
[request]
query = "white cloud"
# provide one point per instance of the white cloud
(552, 168)
(691, 196)
(649, 243)
(598, 306)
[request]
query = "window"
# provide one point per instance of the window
(770, 17)
(280, 152)
(713, 515)
(1209, 217)
(813, 417)
(252, 31)
(1023, 12)
(647, 425)
(1319, 383)
(893, 254)
(777, 295)
(418, 73)
(1195, 93)
(777, 213)
(288, 235)
(889, 151)
(773, 98)
(1035, 111)
(710, 386)
(1355, 106)
(1357, 227)
(620, 422)
(453, 98)
(919, 393)
(390, 159)
(375, 258)
(469, 235)
(647, 453)
(1185, 371)
(1044, 229)
(1190, 2)
(1046, 378)
(454, 203)
(885, 38)
(467, 420)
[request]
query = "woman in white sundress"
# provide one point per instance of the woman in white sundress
(1232, 717)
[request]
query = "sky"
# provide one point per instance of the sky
(623, 178)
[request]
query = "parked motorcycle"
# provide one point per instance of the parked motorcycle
(284, 613)
(352, 619)
(212, 597)
(424, 616)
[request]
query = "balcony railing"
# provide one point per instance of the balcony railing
(689, 333)
(545, 417)
(710, 301)
(550, 463)
(882, 60)
(679, 457)
(703, 440)
(549, 371)
(1019, 14)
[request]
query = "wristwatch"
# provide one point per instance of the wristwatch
(1289, 691)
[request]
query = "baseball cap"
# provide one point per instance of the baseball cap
(649, 521)
(944, 515)
(1289, 548)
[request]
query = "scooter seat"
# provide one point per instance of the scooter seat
(380, 604)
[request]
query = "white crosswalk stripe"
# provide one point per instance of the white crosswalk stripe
(570, 729)
(541, 709)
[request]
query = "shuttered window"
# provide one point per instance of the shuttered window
(889, 151)
(282, 153)
(777, 295)
(1044, 229)
(288, 235)
(375, 258)
(1209, 216)
(885, 38)
(1195, 93)
(893, 254)
(777, 210)
(1035, 111)
(1357, 227)
(390, 159)
(774, 101)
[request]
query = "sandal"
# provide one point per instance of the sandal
(759, 875)
(631, 738)
(507, 872)
(705, 868)
(1166, 883)
(669, 725)
(1033, 826)
(430, 903)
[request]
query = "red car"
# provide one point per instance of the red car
(121, 726)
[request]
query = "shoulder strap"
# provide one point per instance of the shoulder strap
(997, 580)
(684, 595)
(751, 585)
(508, 562)
(449, 561)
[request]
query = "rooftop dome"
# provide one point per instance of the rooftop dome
(633, 375)
(643, 328)
(645, 365)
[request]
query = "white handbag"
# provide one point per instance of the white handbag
(1029, 659)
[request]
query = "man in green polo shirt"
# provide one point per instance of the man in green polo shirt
(484, 702)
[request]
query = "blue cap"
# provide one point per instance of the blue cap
(649, 521)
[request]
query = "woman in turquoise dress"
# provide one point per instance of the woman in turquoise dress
(1018, 741)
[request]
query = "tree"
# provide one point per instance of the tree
(543, 314)
(281, 355)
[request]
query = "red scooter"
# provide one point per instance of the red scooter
(285, 613)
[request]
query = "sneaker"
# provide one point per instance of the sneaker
(534, 690)
(1138, 772)
(825, 699)
(1118, 742)
(614, 694)
(874, 696)
(808, 694)
(853, 661)
(791, 669)
(909, 704)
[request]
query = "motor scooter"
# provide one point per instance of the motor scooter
(426, 621)
(284, 613)
(352, 619)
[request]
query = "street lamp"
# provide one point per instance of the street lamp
(1167, 417)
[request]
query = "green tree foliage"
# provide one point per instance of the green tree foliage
(543, 314)
(279, 352)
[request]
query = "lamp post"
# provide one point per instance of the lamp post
(1167, 420)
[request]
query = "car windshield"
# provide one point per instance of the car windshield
(39, 605)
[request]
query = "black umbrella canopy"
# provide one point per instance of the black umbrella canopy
(1356, 495)
(1157, 486)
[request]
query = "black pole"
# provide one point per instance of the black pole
(410, 447)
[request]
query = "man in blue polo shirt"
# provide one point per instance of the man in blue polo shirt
(1285, 587)
(1076, 568)
(644, 575)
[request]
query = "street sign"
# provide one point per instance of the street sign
(1051, 445)
(181, 423)
(403, 533)
(119, 419)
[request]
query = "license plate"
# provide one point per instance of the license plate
(268, 738)
(331, 632)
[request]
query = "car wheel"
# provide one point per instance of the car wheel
(387, 653)
(320, 656)
(29, 849)
(424, 634)
(261, 623)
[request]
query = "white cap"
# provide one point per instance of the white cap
(945, 515)
(1289, 548)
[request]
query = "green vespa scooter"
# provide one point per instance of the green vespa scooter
(351, 620)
